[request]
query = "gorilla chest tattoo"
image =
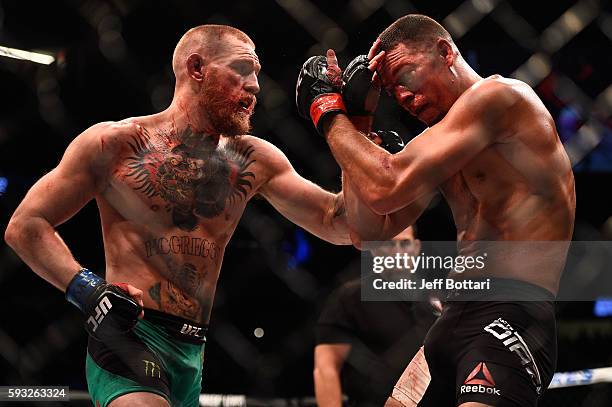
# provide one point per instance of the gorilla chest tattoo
(194, 176)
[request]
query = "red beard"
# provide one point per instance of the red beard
(226, 116)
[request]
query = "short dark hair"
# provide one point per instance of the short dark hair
(413, 29)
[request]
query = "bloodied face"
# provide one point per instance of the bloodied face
(230, 85)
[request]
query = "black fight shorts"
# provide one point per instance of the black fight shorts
(500, 353)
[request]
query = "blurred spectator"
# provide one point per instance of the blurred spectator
(363, 347)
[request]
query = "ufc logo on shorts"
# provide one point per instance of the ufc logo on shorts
(101, 310)
(481, 381)
(191, 330)
(515, 343)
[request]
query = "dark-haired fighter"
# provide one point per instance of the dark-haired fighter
(493, 151)
(170, 188)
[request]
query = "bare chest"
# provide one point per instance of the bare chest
(483, 188)
(184, 182)
(492, 174)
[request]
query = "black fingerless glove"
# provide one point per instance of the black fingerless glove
(360, 95)
(316, 97)
(109, 309)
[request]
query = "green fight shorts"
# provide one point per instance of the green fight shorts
(163, 354)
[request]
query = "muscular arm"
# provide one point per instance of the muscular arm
(303, 202)
(55, 198)
(388, 183)
(365, 224)
(329, 359)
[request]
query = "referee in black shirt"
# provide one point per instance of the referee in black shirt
(363, 347)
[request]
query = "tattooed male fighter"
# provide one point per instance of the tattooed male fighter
(492, 149)
(170, 188)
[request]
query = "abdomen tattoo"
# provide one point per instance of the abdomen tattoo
(183, 294)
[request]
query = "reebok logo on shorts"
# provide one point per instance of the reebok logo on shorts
(480, 381)
(480, 375)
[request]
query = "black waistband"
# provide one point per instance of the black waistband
(180, 328)
(501, 289)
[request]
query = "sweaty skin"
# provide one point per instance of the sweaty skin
(173, 201)
(171, 188)
(491, 149)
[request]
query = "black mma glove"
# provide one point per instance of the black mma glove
(316, 96)
(360, 95)
(109, 309)
(391, 141)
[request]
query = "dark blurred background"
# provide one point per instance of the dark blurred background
(113, 60)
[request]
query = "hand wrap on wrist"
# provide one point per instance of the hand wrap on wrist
(316, 96)
(109, 309)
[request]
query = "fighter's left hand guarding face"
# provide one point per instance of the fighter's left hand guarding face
(361, 91)
(323, 90)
